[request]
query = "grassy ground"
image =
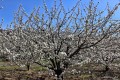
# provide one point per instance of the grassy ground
(87, 72)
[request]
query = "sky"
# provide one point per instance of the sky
(11, 6)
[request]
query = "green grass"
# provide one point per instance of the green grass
(8, 67)
(85, 76)
(39, 68)
(35, 68)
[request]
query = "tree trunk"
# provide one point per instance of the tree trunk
(28, 67)
(58, 72)
(106, 70)
(59, 77)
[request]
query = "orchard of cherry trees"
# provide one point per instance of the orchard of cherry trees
(58, 38)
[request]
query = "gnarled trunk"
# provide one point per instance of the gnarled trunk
(58, 72)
